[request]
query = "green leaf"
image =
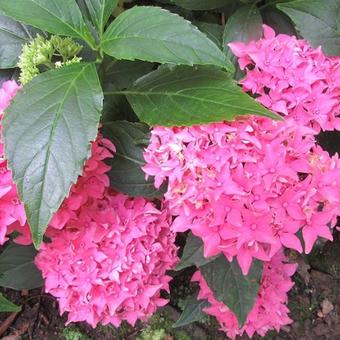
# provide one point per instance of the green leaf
(13, 35)
(156, 35)
(55, 16)
(193, 311)
(230, 286)
(213, 31)
(193, 254)
(317, 21)
(126, 174)
(9, 74)
(244, 25)
(122, 73)
(277, 20)
(8, 306)
(17, 268)
(47, 133)
(100, 11)
(185, 96)
(201, 5)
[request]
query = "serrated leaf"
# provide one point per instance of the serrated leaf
(126, 174)
(13, 35)
(186, 96)
(201, 5)
(193, 311)
(244, 25)
(237, 291)
(156, 35)
(8, 306)
(317, 21)
(55, 16)
(193, 254)
(47, 132)
(17, 268)
(100, 11)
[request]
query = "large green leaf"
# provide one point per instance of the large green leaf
(193, 311)
(187, 96)
(100, 11)
(201, 5)
(13, 35)
(47, 134)
(17, 268)
(56, 16)
(244, 25)
(8, 306)
(193, 254)
(231, 287)
(317, 21)
(156, 35)
(126, 174)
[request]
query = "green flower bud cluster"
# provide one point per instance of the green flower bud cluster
(40, 51)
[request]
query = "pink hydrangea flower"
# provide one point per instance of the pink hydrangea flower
(12, 212)
(270, 310)
(108, 263)
(292, 78)
(247, 187)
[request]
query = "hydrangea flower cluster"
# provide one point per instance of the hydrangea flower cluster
(12, 212)
(108, 254)
(292, 78)
(108, 263)
(247, 187)
(269, 311)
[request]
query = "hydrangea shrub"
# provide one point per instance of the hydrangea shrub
(127, 127)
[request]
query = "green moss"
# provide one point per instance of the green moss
(159, 327)
(73, 333)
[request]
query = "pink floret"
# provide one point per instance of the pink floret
(108, 263)
(12, 212)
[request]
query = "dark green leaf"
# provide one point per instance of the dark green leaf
(193, 311)
(317, 21)
(126, 174)
(117, 108)
(122, 73)
(47, 134)
(17, 268)
(9, 74)
(230, 286)
(186, 96)
(8, 306)
(213, 31)
(56, 16)
(156, 35)
(277, 20)
(201, 5)
(100, 11)
(244, 25)
(193, 254)
(12, 36)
